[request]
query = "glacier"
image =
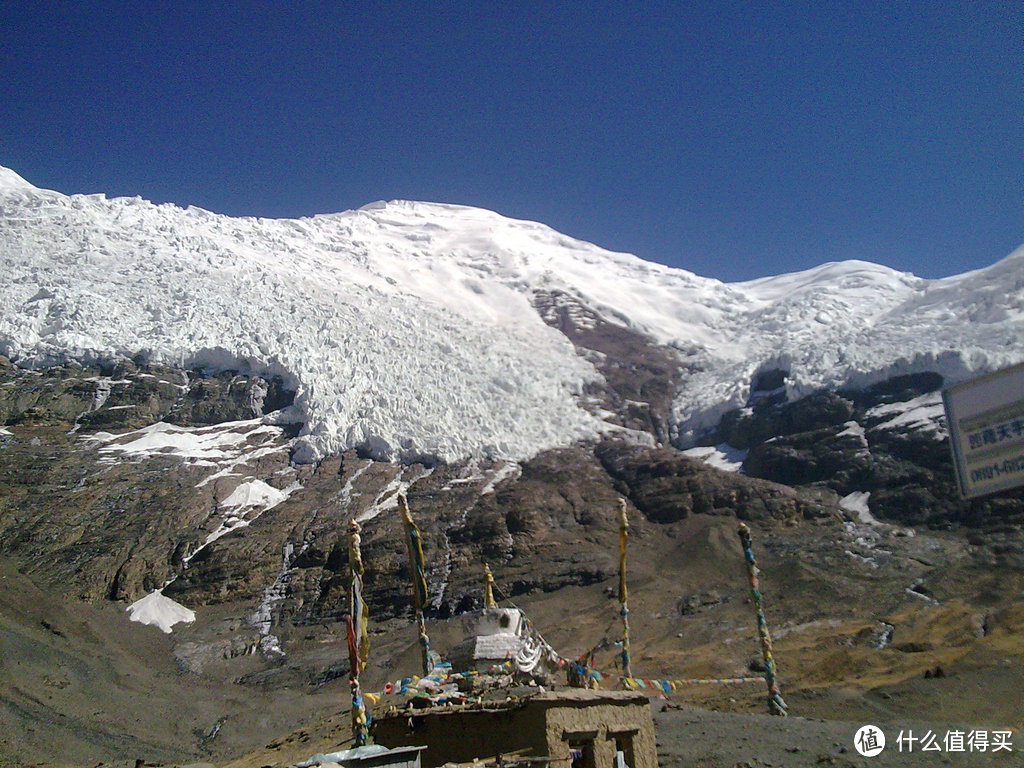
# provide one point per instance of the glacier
(408, 329)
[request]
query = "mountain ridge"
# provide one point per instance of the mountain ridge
(333, 302)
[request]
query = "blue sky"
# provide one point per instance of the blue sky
(735, 140)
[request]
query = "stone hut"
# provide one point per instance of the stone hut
(570, 728)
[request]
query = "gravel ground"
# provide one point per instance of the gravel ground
(695, 738)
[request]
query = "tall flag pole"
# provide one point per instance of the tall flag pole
(419, 581)
(489, 588)
(358, 640)
(627, 669)
(776, 706)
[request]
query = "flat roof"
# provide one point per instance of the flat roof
(571, 697)
(591, 696)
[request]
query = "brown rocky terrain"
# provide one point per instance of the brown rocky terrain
(917, 617)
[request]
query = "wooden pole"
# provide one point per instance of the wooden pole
(358, 643)
(627, 667)
(419, 582)
(489, 588)
(776, 705)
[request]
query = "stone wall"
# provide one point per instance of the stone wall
(541, 726)
(461, 735)
(610, 720)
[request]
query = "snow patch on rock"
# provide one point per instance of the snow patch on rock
(244, 505)
(857, 503)
(222, 445)
(922, 414)
(159, 611)
(722, 456)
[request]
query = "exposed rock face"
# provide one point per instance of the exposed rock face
(668, 487)
(888, 441)
(122, 395)
(640, 376)
(772, 416)
(814, 456)
(228, 397)
(93, 523)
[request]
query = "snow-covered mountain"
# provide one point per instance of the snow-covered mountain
(133, 487)
(412, 329)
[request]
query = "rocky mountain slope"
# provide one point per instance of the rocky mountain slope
(194, 407)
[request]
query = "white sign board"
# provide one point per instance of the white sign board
(986, 430)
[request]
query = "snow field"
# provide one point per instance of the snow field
(408, 329)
